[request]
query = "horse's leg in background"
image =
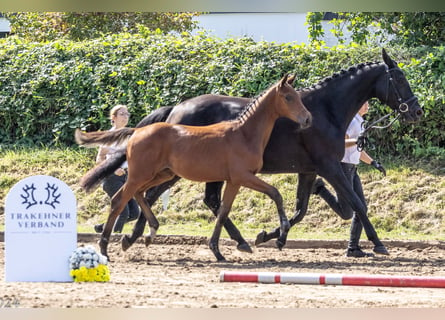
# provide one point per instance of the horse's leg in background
(212, 199)
(229, 195)
(118, 202)
(305, 182)
(151, 195)
(343, 188)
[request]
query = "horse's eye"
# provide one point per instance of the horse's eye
(288, 98)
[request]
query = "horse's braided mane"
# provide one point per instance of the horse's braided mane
(250, 107)
(342, 73)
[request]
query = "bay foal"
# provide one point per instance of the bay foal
(230, 151)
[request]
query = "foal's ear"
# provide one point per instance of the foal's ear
(389, 62)
(291, 79)
(283, 81)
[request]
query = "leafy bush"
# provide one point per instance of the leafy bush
(49, 89)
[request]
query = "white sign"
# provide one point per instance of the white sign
(40, 230)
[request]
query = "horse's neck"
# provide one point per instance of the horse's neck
(257, 122)
(345, 94)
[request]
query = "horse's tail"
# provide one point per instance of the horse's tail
(94, 176)
(97, 138)
(90, 139)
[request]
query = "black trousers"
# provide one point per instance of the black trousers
(131, 211)
(342, 208)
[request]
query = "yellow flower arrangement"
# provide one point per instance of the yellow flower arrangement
(100, 274)
(88, 266)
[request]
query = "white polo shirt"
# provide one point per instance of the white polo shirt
(352, 155)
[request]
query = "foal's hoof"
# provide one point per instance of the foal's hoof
(148, 241)
(125, 242)
(244, 247)
(381, 250)
(260, 238)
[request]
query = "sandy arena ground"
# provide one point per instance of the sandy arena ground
(182, 272)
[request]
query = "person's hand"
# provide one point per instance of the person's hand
(378, 166)
(119, 172)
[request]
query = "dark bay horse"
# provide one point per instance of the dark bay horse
(317, 150)
(230, 151)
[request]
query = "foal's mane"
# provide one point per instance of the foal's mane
(250, 108)
(343, 73)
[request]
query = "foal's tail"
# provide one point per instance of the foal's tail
(97, 138)
(94, 177)
(118, 137)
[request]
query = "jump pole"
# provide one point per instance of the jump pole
(333, 279)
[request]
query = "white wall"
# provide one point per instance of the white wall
(277, 27)
(4, 25)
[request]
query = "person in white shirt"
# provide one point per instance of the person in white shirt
(349, 163)
(119, 116)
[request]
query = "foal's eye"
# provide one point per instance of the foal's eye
(288, 97)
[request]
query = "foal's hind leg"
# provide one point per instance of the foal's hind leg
(118, 202)
(162, 176)
(152, 221)
(151, 195)
(212, 199)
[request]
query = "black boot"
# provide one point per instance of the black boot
(99, 228)
(354, 250)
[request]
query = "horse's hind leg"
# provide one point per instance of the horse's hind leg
(152, 221)
(212, 199)
(151, 195)
(305, 182)
(160, 177)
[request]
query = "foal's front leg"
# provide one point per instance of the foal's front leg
(212, 199)
(305, 182)
(230, 192)
(255, 183)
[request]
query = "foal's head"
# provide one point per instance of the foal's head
(289, 103)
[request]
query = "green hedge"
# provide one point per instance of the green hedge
(49, 89)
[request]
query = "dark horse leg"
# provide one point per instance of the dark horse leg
(212, 200)
(305, 182)
(344, 189)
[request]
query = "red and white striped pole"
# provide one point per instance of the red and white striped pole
(333, 279)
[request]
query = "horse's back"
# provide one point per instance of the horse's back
(158, 115)
(207, 109)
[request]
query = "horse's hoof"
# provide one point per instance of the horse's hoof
(244, 247)
(260, 238)
(280, 244)
(381, 250)
(125, 242)
(220, 258)
(148, 241)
